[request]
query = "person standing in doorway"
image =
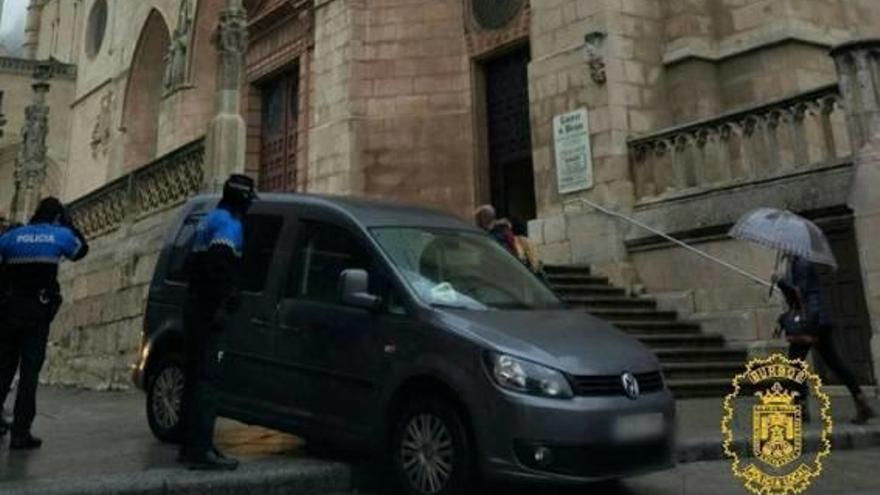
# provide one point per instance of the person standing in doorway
(800, 286)
(213, 296)
(29, 299)
(500, 230)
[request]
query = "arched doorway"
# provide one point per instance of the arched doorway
(140, 114)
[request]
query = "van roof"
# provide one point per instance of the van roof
(368, 212)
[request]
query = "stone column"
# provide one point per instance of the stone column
(858, 67)
(32, 28)
(226, 137)
(30, 169)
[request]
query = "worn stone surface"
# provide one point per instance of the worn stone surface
(96, 335)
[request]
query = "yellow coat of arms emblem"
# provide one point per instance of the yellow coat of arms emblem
(778, 464)
(777, 437)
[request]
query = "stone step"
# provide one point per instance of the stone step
(615, 315)
(709, 387)
(633, 326)
(563, 290)
(702, 370)
(567, 269)
(609, 302)
(696, 365)
(575, 279)
(698, 355)
(676, 341)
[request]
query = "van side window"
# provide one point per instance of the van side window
(261, 233)
(322, 253)
(178, 269)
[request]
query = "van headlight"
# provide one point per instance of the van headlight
(526, 377)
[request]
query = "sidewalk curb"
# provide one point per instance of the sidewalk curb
(283, 477)
(845, 437)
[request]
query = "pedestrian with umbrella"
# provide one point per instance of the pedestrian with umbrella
(802, 246)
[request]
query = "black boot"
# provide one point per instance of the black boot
(864, 412)
(24, 442)
(212, 461)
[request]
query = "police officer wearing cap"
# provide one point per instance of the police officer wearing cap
(213, 296)
(29, 299)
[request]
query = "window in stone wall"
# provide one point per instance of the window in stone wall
(495, 14)
(97, 25)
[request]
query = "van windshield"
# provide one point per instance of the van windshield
(463, 270)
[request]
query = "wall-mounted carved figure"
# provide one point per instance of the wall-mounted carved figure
(101, 131)
(177, 57)
(595, 41)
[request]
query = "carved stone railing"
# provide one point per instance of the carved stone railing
(779, 138)
(166, 182)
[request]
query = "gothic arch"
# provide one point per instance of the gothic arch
(143, 94)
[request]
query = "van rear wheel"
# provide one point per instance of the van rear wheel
(165, 399)
(431, 452)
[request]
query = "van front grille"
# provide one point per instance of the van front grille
(613, 384)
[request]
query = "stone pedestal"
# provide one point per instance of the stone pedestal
(227, 134)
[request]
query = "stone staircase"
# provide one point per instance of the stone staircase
(695, 364)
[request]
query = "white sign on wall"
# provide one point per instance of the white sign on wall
(574, 157)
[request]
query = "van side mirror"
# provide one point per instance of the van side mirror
(354, 290)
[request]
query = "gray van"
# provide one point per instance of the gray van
(407, 332)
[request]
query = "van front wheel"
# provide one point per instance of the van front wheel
(431, 453)
(165, 399)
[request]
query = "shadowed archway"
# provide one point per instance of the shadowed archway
(143, 95)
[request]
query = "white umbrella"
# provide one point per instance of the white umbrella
(786, 232)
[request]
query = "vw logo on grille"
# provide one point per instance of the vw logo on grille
(630, 385)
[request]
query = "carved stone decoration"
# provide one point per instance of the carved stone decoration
(101, 131)
(162, 184)
(30, 168)
(735, 147)
(177, 57)
(594, 43)
(169, 181)
(231, 40)
(495, 14)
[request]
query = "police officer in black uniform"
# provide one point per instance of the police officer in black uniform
(29, 299)
(213, 296)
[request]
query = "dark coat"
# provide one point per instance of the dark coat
(802, 279)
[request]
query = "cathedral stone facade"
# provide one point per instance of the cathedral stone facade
(692, 112)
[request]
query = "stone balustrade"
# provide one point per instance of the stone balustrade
(784, 137)
(164, 183)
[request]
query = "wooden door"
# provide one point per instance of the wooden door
(279, 137)
(844, 296)
(511, 176)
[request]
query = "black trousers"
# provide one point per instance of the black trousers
(24, 331)
(202, 369)
(828, 352)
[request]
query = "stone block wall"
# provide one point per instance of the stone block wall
(412, 86)
(631, 101)
(338, 28)
(96, 335)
